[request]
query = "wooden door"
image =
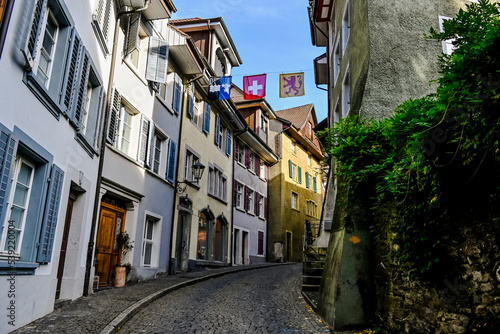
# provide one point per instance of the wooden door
(64, 244)
(111, 223)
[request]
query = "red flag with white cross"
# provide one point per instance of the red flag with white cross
(254, 87)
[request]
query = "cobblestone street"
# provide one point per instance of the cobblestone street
(258, 301)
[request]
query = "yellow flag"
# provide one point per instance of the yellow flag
(292, 84)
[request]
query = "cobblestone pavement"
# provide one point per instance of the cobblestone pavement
(257, 301)
(95, 313)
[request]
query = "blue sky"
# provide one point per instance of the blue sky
(271, 36)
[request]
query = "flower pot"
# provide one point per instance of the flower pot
(120, 276)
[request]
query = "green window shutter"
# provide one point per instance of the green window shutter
(156, 68)
(307, 180)
(290, 169)
(7, 149)
(300, 175)
(114, 114)
(315, 185)
(171, 161)
(50, 215)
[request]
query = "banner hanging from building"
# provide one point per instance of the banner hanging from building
(292, 85)
(254, 87)
(220, 88)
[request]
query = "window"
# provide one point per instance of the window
(241, 153)
(101, 23)
(197, 112)
(47, 48)
(125, 129)
(239, 195)
(346, 25)
(294, 147)
(191, 159)
(294, 171)
(217, 183)
(158, 142)
(171, 92)
(337, 114)
(448, 46)
(202, 246)
(295, 201)
(148, 242)
(250, 200)
(346, 93)
(263, 173)
(309, 180)
(219, 133)
(260, 243)
(260, 206)
(337, 57)
(309, 129)
(30, 192)
(19, 198)
(311, 209)
(309, 160)
(251, 165)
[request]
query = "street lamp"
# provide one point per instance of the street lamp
(197, 169)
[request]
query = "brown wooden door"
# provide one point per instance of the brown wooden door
(64, 244)
(111, 223)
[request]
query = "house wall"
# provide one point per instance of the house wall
(285, 219)
(28, 118)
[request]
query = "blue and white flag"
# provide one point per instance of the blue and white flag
(220, 88)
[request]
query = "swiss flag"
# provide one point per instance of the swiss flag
(254, 87)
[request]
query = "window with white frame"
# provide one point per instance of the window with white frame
(217, 183)
(295, 201)
(346, 24)
(150, 241)
(47, 48)
(18, 205)
(294, 147)
(261, 206)
(157, 148)
(346, 93)
(29, 185)
(191, 159)
(197, 112)
(309, 160)
(241, 153)
(311, 208)
(239, 195)
(126, 122)
(250, 201)
(101, 23)
(251, 165)
(262, 170)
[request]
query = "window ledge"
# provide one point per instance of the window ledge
(217, 198)
(135, 71)
(18, 268)
(41, 93)
(240, 209)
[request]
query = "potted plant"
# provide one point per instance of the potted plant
(121, 270)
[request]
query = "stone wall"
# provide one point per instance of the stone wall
(465, 300)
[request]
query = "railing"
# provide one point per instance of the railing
(311, 233)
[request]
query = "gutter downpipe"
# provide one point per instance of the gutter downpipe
(97, 199)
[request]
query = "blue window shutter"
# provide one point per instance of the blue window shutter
(315, 185)
(300, 175)
(114, 114)
(217, 129)
(70, 82)
(177, 97)
(171, 161)
(35, 32)
(81, 92)
(7, 149)
(290, 169)
(206, 118)
(229, 143)
(307, 180)
(50, 215)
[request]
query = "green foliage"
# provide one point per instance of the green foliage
(433, 147)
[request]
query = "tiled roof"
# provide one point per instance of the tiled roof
(297, 115)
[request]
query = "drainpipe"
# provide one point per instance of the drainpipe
(97, 198)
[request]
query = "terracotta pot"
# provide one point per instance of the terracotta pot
(120, 276)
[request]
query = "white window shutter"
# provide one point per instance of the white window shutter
(156, 69)
(132, 39)
(143, 152)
